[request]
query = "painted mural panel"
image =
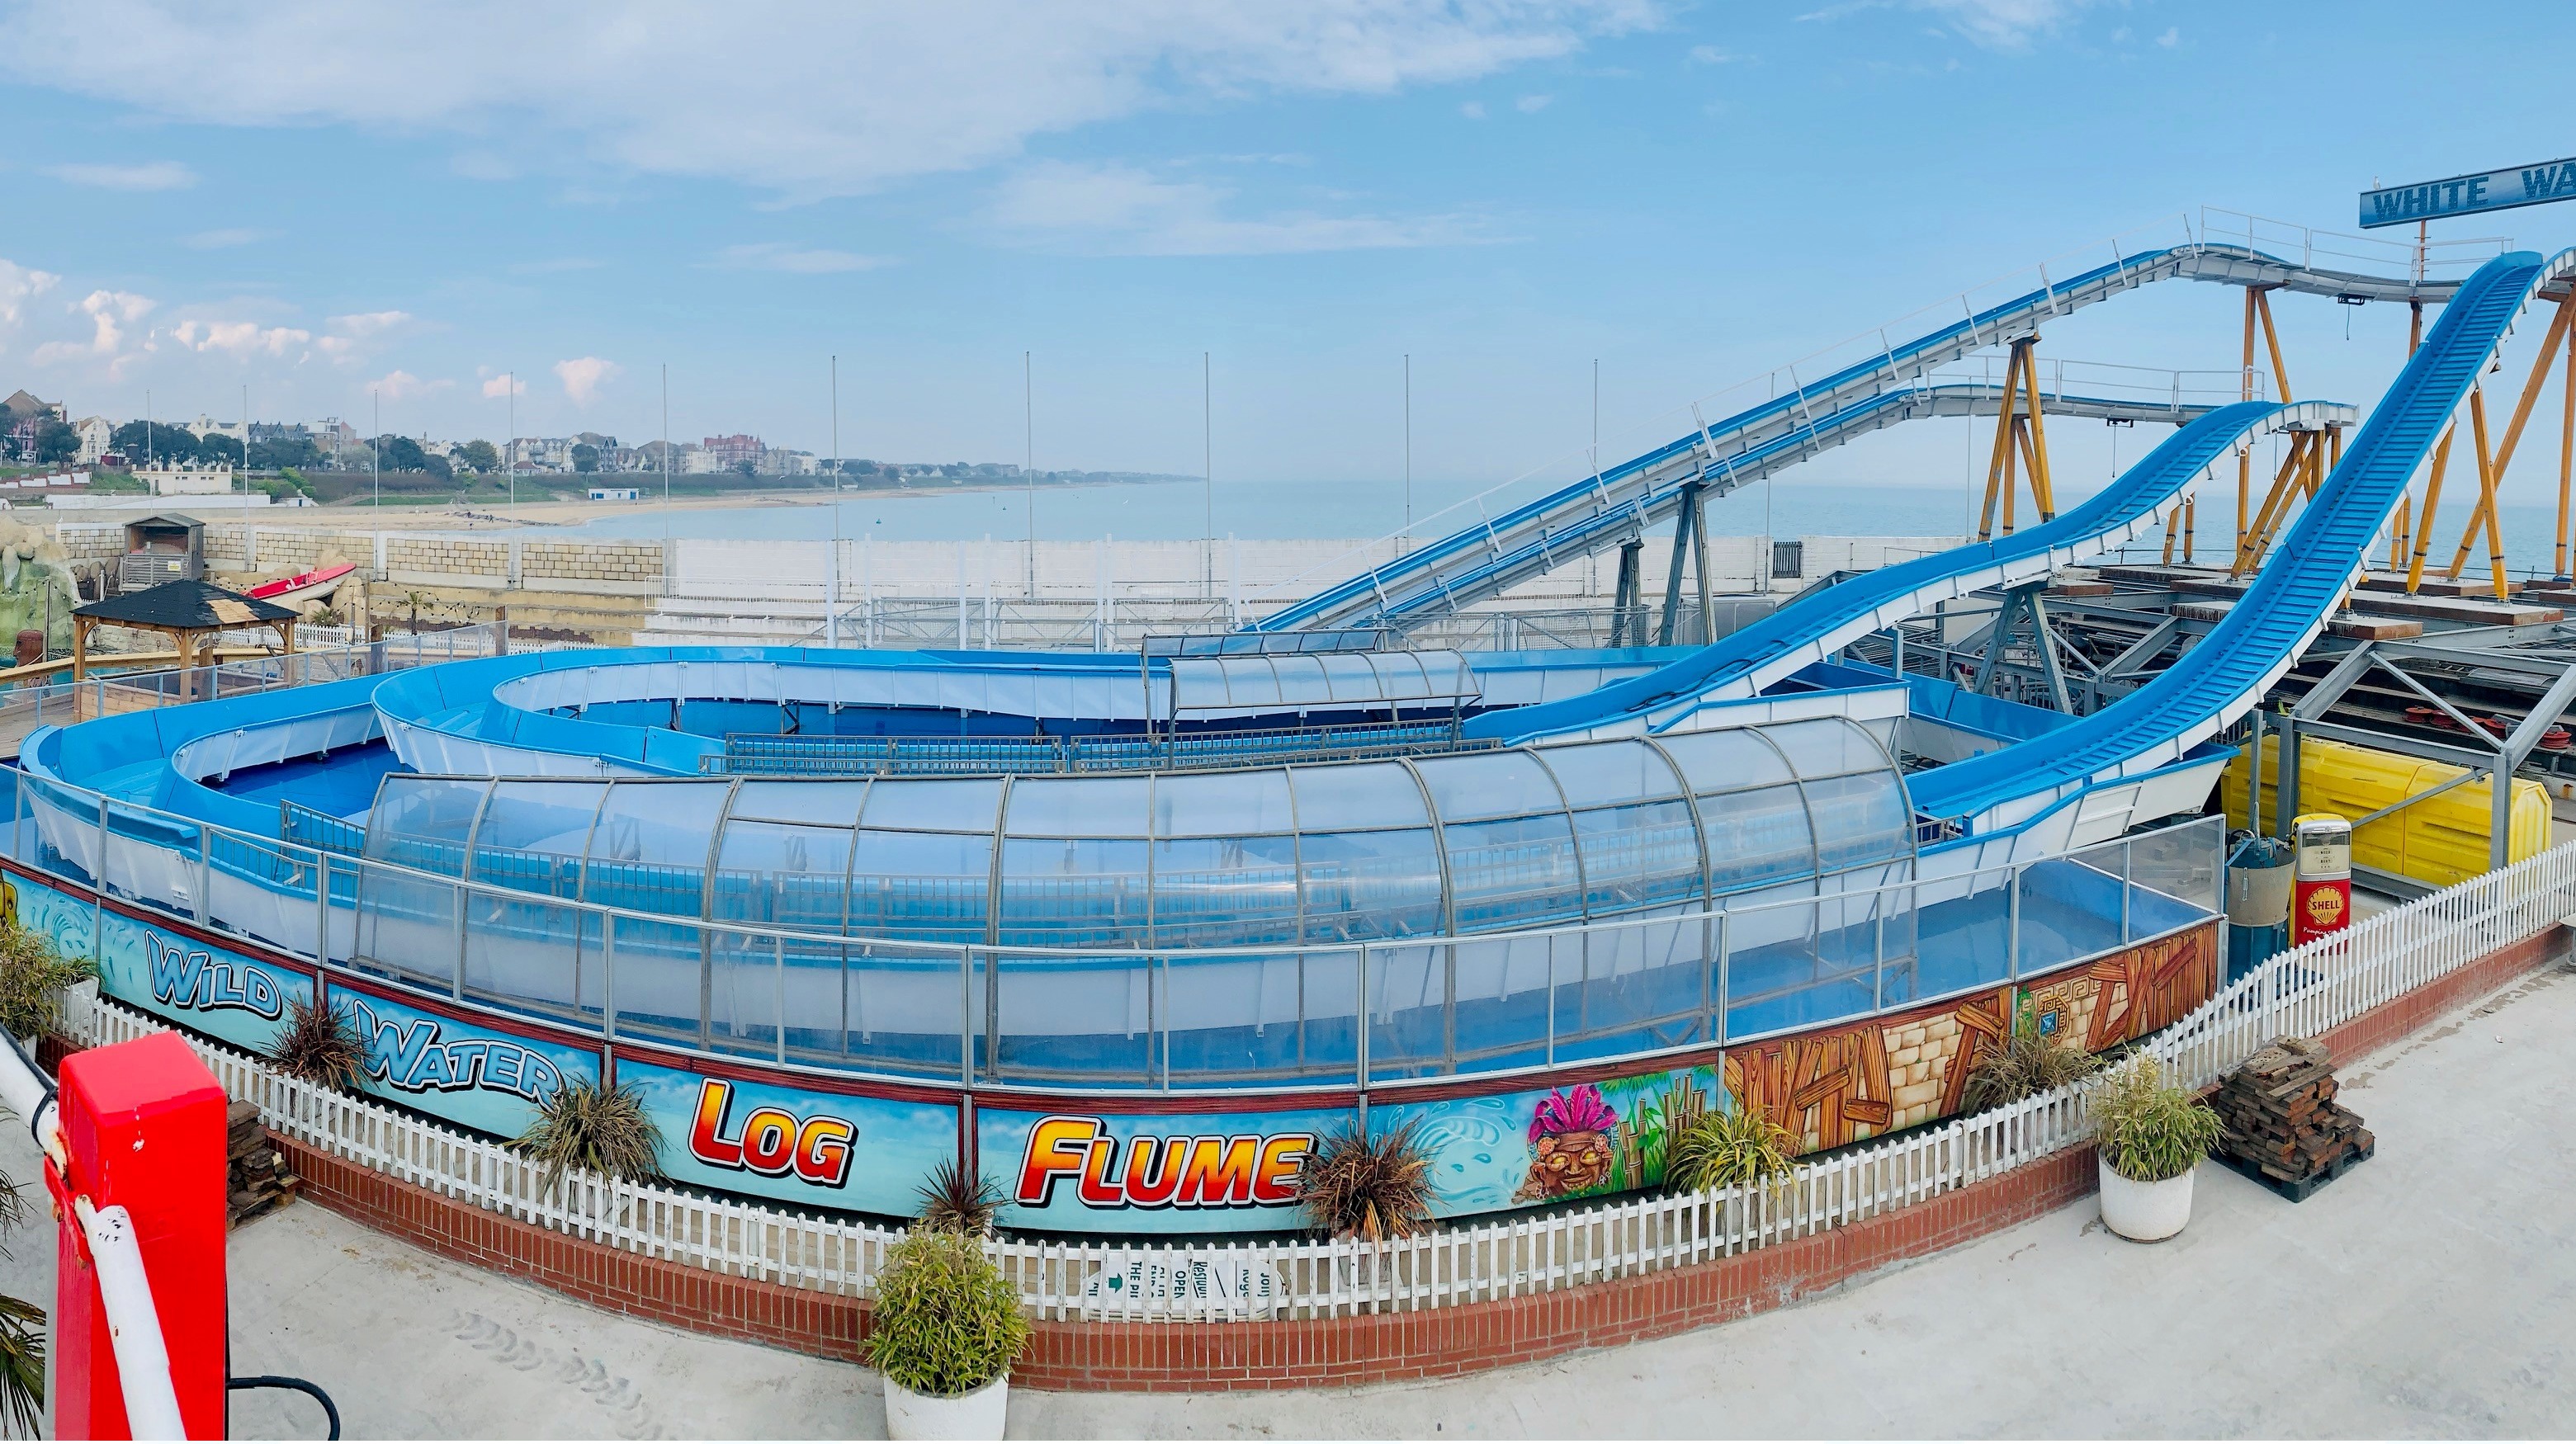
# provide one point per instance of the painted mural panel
(1081, 1170)
(1539, 1145)
(165, 972)
(1840, 1085)
(799, 1146)
(467, 1072)
(2129, 994)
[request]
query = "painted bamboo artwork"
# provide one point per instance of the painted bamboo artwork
(1839, 1086)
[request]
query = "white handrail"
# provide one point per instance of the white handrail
(133, 1325)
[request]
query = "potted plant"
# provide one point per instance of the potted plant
(2152, 1137)
(944, 1331)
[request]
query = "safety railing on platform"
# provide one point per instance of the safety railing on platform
(25, 708)
(771, 755)
(2306, 991)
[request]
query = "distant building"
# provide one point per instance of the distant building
(94, 433)
(205, 426)
(538, 453)
(733, 451)
(21, 406)
(790, 463)
(187, 479)
(697, 459)
(617, 493)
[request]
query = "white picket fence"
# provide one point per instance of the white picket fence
(2304, 992)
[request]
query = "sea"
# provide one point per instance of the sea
(1182, 511)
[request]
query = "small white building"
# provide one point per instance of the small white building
(617, 493)
(187, 479)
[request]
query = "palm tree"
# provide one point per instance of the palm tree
(22, 1334)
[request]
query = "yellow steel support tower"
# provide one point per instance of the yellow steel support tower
(2491, 465)
(2020, 436)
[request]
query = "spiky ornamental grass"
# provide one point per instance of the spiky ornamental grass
(1723, 1150)
(955, 1201)
(945, 1321)
(33, 973)
(2150, 1132)
(320, 1044)
(603, 1129)
(1373, 1189)
(2028, 1062)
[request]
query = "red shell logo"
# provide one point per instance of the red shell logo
(2325, 908)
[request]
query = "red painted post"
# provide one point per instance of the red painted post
(143, 1125)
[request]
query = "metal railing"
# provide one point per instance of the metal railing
(759, 754)
(1662, 973)
(24, 709)
(2306, 991)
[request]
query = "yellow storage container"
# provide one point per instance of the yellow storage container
(2441, 840)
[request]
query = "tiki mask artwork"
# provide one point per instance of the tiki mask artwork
(1570, 1144)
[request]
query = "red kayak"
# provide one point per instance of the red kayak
(304, 587)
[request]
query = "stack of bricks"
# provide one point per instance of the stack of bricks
(2279, 1115)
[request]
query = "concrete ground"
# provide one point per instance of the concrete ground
(2431, 1292)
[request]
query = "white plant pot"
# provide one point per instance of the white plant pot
(978, 1415)
(2145, 1212)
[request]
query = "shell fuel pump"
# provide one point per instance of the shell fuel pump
(2321, 889)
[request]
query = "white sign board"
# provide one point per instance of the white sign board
(2463, 195)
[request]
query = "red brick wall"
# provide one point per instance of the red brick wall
(1430, 1343)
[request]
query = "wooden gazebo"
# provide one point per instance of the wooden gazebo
(190, 613)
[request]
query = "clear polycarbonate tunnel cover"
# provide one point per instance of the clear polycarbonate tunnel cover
(1519, 838)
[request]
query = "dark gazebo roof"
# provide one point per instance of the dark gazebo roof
(183, 606)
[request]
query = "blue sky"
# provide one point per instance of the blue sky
(312, 199)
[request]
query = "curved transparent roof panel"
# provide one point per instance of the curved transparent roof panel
(1341, 852)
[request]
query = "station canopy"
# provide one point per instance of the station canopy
(1299, 854)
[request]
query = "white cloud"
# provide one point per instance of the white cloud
(368, 323)
(804, 97)
(2002, 24)
(1712, 55)
(1993, 24)
(110, 312)
(1124, 210)
(403, 386)
(19, 285)
(348, 335)
(503, 385)
(1532, 104)
(239, 338)
(1473, 110)
(216, 240)
(583, 376)
(155, 175)
(2171, 38)
(797, 260)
